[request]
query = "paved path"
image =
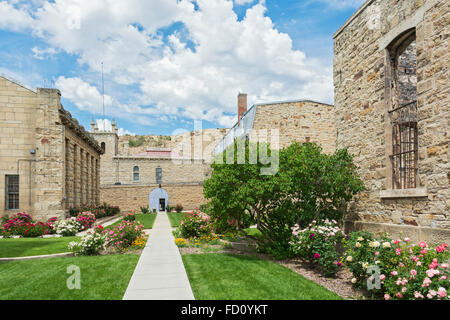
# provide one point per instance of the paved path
(160, 273)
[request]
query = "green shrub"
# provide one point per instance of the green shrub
(145, 210)
(308, 185)
(140, 140)
(178, 208)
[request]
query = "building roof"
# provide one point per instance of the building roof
(157, 154)
(19, 83)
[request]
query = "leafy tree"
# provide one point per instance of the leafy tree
(308, 185)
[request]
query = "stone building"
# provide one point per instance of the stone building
(128, 180)
(391, 76)
(48, 162)
(296, 121)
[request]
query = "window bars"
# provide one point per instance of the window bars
(404, 146)
(12, 192)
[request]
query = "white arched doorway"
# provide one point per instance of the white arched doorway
(158, 199)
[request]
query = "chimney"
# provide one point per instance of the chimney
(242, 105)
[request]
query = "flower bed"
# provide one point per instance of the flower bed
(125, 235)
(404, 270)
(22, 224)
(100, 211)
(68, 227)
(318, 244)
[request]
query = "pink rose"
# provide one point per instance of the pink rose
(422, 244)
(407, 239)
(394, 273)
(413, 272)
(399, 295)
(382, 277)
(387, 297)
(442, 292)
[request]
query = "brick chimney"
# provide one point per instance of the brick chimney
(242, 105)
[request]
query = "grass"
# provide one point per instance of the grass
(147, 219)
(102, 277)
(23, 247)
(232, 277)
(175, 218)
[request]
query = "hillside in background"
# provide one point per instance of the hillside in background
(182, 144)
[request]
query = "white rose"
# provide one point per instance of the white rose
(349, 258)
(354, 280)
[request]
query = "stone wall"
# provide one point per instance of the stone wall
(190, 195)
(18, 106)
(187, 171)
(304, 121)
(362, 78)
(52, 154)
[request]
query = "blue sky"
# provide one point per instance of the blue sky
(170, 62)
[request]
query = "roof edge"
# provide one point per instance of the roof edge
(19, 83)
(352, 17)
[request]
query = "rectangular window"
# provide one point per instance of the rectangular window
(158, 175)
(12, 192)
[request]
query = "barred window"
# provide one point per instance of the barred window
(158, 175)
(12, 192)
(403, 113)
(136, 173)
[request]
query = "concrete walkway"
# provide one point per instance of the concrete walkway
(160, 273)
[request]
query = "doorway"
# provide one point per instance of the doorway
(162, 204)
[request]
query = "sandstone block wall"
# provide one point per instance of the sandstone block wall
(304, 121)
(363, 124)
(56, 159)
(134, 197)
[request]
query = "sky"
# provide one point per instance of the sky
(167, 63)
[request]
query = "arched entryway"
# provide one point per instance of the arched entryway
(158, 199)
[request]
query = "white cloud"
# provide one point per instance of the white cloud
(343, 4)
(42, 54)
(13, 18)
(241, 2)
(195, 73)
(106, 125)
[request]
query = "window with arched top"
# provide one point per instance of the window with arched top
(402, 101)
(136, 173)
(103, 145)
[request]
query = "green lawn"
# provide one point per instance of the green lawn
(102, 277)
(147, 219)
(234, 277)
(175, 218)
(22, 247)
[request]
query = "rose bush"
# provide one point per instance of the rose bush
(123, 235)
(406, 271)
(22, 224)
(195, 224)
(91, 243)
(318, 244)
(86, 220)
(68, 227)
